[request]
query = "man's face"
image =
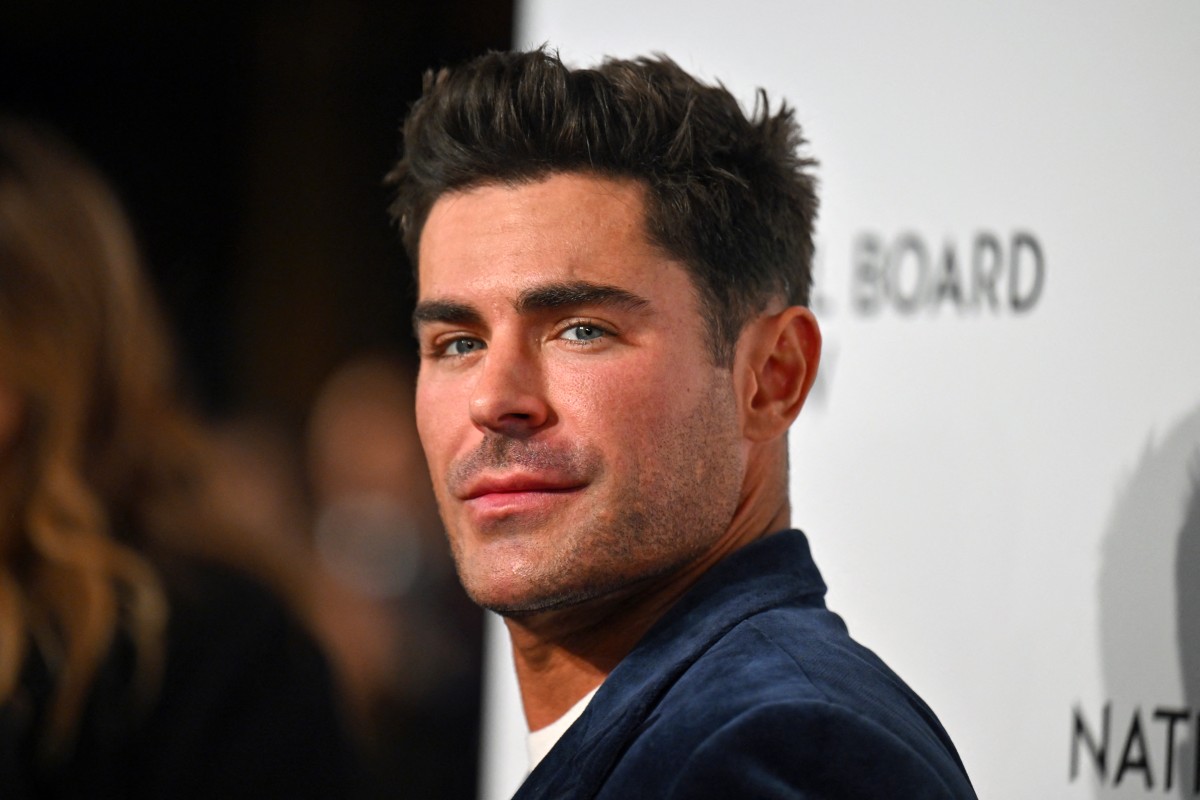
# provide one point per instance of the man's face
(580, 438)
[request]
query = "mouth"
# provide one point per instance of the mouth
(501, 497)
(517, 484)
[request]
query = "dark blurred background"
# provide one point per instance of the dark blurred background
(248, 141)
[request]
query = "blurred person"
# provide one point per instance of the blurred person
(613, 271)
(259, 478)
(141, 655)
(376, 532)
(376, 525)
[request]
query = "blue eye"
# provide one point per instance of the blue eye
(583, 333)
(462, 346)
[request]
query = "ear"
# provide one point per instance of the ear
(779, 354)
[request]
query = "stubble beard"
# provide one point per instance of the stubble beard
(657, 516)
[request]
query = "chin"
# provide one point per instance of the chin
(509, 600)
(517, 599)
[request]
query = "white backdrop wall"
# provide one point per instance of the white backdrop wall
(1000, 469)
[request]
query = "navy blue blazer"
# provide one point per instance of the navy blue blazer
(750, 687)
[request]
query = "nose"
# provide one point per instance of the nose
(509, 392)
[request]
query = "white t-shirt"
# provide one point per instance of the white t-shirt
(542, 740)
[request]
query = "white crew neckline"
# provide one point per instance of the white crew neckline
(540, 742)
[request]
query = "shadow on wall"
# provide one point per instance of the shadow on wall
(1145, 739)
(1187, 581)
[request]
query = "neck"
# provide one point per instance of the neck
(563, 654)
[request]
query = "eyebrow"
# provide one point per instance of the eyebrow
(566, 294)
(447, 311)
(547, 297)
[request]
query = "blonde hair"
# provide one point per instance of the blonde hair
(104, 467)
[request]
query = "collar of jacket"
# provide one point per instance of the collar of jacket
(771, 571)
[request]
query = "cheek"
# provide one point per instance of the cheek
(631, 405)
(435, 422)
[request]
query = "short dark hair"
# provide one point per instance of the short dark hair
(730, 195)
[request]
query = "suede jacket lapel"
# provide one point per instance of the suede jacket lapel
(775, 570)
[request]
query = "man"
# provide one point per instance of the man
(613, 271)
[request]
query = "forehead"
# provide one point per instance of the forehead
(567, 227)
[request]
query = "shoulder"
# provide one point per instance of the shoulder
(219, 613)
(813, 749)
(248, 705)
(795, 654)
(245, 708)
(786, 704)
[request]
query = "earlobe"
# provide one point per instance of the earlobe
(782, 352)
